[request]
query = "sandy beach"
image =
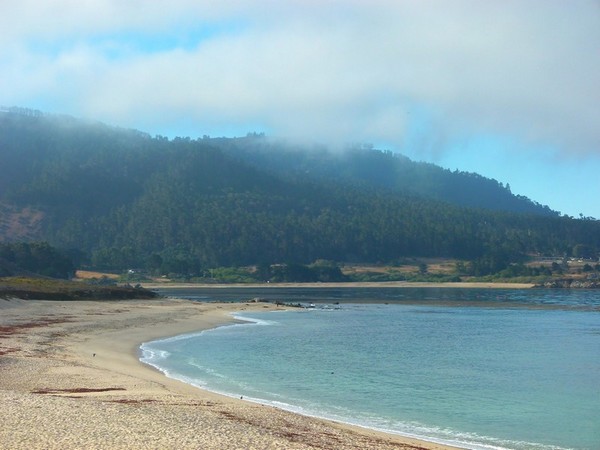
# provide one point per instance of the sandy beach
(70, 378)
(374, 284)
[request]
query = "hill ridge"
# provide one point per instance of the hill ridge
(125, 199)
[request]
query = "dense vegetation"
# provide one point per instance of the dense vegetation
(37, 258)
(382, 170)
(119, 199)
(35, 288)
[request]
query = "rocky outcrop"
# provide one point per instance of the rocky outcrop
(570, 283)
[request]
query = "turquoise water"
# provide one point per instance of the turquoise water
(511, 369)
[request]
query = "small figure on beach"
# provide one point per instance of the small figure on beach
(93, 355)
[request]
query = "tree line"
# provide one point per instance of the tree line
(120, 199)
(38, 258)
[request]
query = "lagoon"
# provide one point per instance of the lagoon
(513, 369)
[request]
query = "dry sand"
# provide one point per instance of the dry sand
(70, 378)
(353, 284)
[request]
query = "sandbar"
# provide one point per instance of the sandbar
(70, 378)
(350, 284)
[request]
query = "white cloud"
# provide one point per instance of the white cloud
(333, 70)
(68, 19)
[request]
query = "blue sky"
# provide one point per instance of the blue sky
(505, 88)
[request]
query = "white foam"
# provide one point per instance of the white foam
(251, 320)
(152, 355)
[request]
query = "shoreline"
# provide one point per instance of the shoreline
(76, 367)
(420, 441)
(344, 285)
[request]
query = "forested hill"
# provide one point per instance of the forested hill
(121, 198)
(362, 165)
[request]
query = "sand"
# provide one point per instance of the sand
(70, 378)
(353, 284)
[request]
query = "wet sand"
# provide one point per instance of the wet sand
(70, 378)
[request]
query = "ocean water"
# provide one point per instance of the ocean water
(481, 369)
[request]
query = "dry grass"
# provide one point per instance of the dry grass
(19, 223)
(434, 266)
(89, 275)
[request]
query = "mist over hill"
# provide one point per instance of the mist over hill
(120, 198)
(383, 170)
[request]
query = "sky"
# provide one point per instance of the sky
(509, 89)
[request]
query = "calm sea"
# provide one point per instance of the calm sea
(481, 369)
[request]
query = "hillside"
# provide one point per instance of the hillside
(382, 170)
(121, 198)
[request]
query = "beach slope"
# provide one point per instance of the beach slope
(70, 378)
